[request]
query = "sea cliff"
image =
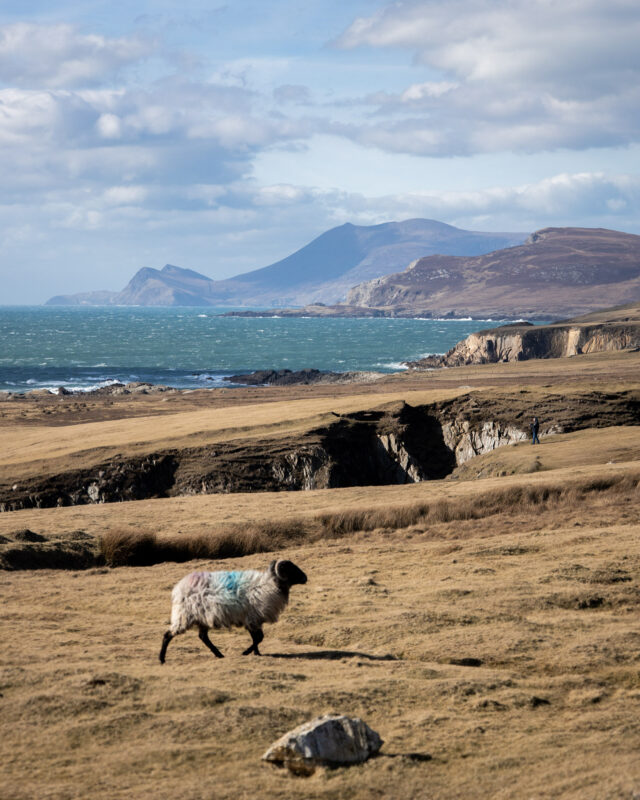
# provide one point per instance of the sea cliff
(522, 341)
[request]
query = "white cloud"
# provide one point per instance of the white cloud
(25, 113)
(176, 131)
(82, 219)
(109, 126)
(552, 44)
(124, 195)
(292, 93)
(579, 199)
(152, 162)
(281, 194)
(420, 91)
(523, 75)
(55, 56)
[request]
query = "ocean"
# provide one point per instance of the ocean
(85, 348)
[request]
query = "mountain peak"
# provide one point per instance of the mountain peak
(182, 272)
(322, 270)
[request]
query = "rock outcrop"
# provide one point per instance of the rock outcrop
(618, 330)
(287, 377)
(466, 441)
(111, 389)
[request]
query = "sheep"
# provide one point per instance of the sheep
(226, 599)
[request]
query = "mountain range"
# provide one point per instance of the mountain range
(322, 271)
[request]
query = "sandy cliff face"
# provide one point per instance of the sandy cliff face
(543, 342)
(524, 341)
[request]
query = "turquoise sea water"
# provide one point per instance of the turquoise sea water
(83, 348)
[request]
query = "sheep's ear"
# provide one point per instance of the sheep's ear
(272, 568)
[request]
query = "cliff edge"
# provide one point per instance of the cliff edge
(612, 329)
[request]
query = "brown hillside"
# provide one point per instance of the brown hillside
(557, 272)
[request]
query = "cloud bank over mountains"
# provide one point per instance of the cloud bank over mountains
(222, 140)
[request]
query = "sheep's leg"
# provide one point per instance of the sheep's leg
(165, 643)
(204, 637)
(257, 637)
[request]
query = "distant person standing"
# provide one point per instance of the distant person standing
(535, 427)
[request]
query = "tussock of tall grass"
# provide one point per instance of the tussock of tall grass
(143, 548)
(340, 523)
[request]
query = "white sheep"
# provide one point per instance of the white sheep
(246, 598)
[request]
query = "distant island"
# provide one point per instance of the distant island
(322, 271)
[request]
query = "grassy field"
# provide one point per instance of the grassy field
(541, 595)
(546, 601)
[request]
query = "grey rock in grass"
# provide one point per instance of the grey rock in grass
(331, 740)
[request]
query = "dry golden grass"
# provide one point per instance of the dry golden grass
(72, 432)
(120, 547)
(126, 547)
(199, 514)
(545, 598)
(536, 576)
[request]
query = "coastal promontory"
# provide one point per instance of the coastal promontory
(557, 272)
(606, 330)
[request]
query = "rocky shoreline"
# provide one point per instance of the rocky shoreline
(611, 329)
(371, 312)
(270, 377)
(287, 377)
(114, 389)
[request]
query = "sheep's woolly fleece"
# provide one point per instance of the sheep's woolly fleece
(225, 599)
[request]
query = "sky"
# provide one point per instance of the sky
(221, 137)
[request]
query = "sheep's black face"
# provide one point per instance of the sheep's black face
(289, 573)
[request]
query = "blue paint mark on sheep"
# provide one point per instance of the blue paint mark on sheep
(232, 581)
